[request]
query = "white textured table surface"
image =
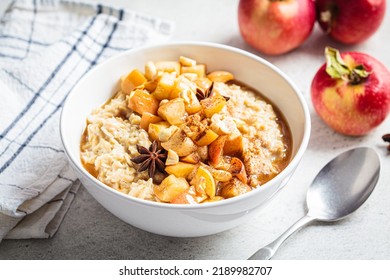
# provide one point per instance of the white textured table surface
(90, 232)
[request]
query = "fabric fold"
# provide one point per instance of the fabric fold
(46, 46)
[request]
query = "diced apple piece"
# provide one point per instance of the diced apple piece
(173, 111)
(185, 198)
(141, 101)
(180, 143)
(155, 129)
(234, 145)
(203, 83)
(151, 85)
(191, 158)
(237, 168)
(223, 125)
(191, 102)
(199, 69)
(205, 137)
(168, 66)
(172, 158)
(148, 118)
(233, 188)
(205, 180)
(164, 86)
(186, 61)
(195, 123)
(134, 79)
(216, 150)
(190, 196)
(167, 133)
(203, 153)
(170, 188)
(190, 76)
(182, 84)
(213, 105)
(214, 199)
(181, 169)
(220, 76)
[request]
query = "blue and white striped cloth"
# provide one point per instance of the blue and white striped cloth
(46, 46)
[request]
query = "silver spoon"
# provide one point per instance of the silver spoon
(340, 188)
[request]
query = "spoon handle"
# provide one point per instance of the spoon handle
(268, 251)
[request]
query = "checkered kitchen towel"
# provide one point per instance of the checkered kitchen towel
(46, 46)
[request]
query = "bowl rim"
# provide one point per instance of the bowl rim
(289, 168)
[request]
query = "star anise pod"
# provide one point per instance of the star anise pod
(150, 159)
(200, 94)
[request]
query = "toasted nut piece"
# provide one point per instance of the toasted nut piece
(173, 111)
(181, 169)
(170, 187)
(220, 76)
(216, 150)
(148, 118)
(233, 188)
(150, 70)
(224, 164)
(172, 158)
(132, 80)
(186, 61)
(237, 168)
(180, 143)
(141, 101)
(219, 175)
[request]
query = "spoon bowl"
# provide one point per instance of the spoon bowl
(338, 190)
(343, 184)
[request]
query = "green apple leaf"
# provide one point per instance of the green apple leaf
(337, 69)
(335, 65)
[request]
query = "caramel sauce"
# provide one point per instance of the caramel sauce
(284, 128)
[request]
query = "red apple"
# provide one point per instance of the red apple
(350, 21)
(351, 92)
(276, 26)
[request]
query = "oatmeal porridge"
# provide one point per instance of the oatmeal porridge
(175, 133)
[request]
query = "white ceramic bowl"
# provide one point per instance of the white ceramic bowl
(97, 86)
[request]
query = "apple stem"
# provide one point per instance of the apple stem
(338, 69)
